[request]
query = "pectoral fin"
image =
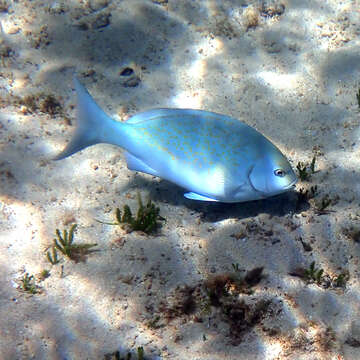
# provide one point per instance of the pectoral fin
(194, 196)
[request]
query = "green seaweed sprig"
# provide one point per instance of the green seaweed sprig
(305, 170)
(28, 284)
(342, 279)
(65, 244)
(44, 274)
(303, 195)
(322, 204)
(235, 267)
(313, 273)
(146, 220)
(52, 257)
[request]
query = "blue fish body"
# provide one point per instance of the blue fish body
(213, 156)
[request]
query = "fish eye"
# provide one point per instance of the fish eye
(279, 172)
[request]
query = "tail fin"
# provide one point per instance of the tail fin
(91, 120)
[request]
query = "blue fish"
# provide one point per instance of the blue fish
(214, 157)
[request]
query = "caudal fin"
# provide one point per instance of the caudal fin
(91, 120)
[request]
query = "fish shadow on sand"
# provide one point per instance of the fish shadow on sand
(165, 192)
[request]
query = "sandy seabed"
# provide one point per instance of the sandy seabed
(195, 289)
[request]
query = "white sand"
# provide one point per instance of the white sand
(291, 71)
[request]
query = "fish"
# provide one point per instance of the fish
(213, 157)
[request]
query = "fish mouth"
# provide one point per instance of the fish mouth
(291, 185)
(264, 195)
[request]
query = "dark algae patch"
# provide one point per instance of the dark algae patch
(46, 103)
(222, 298)
(116, 355)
